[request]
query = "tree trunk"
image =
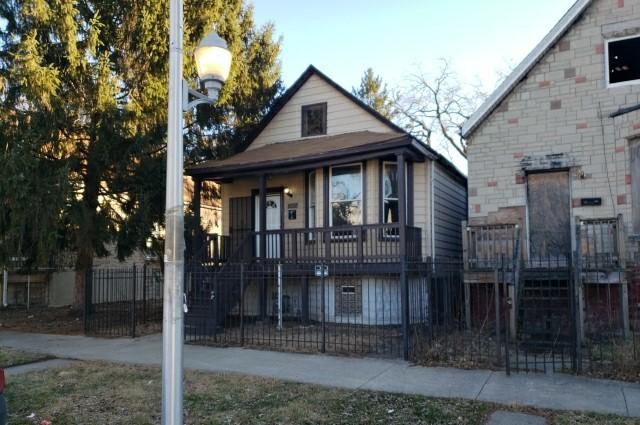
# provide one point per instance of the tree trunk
(86, 237)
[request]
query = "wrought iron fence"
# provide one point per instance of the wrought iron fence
(341, 308)
(123, 301)
(541, 316)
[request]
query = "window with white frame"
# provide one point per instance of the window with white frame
(623, 61)
(346, 195)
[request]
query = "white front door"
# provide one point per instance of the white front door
(274, 222)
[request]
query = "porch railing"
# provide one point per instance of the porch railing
(374, 243)
(483, 245)
(601, 243)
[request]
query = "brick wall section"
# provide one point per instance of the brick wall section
(555, 110)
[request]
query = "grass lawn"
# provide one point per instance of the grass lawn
(11, 357)
(103, 393)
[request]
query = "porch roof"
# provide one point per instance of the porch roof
(310, 153)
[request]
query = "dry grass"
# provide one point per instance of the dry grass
(103, 393)
(10, 357)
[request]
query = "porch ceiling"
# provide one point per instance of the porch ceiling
(310, 153)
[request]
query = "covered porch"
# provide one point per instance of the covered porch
(346, 198)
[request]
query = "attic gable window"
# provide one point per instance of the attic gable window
(314, 119)
(623, 61)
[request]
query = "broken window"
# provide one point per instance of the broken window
(623, 60)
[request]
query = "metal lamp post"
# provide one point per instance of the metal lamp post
(213, 61)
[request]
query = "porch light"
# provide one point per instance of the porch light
(288, 192)
(213, 62)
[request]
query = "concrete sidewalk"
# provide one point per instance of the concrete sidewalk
(563, 392)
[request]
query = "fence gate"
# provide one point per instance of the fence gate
(123, 301)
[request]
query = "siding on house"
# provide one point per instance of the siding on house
(449, 211)
(562, 107)
(343, 115)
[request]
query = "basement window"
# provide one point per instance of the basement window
(623, 61)
(348, 297)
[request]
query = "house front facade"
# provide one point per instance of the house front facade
(329, 182)
(554, 173)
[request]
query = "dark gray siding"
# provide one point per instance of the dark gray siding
(449, 211)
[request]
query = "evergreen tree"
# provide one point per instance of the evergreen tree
(373, 92)
(83, 117)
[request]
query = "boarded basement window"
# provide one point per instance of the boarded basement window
(623, 60)
(348, 297)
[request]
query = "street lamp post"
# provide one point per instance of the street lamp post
(213, 61)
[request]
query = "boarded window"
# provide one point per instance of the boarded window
(635, 185)
(549, 215)
(348, 297)
(314, 120)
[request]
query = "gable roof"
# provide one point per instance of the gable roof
(291, 91)
(521, 71)
(395, 134)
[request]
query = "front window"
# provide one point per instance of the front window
(623, 61)
(346, 195)
(390, 193)
(314, 120)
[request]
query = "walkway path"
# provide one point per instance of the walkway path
(563, 392)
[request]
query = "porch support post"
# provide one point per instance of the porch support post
(196, 204)
(402, 221)
(262, 248)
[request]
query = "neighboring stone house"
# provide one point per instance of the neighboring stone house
(554, 174)
(558, 142)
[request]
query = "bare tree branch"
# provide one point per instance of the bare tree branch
(434, 107)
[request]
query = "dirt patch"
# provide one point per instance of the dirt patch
(62, 321)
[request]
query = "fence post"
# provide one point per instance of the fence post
(133, 302)
(88, 298)
(496, 294)
(144, 293)
(576, 307)
(404, 287)
(430, 302)
(507, 315)
(323, 307)
(241, 304)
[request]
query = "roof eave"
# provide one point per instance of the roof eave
(521, 71)
(393, 143)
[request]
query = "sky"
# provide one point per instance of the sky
(344, 37)
(481, 39)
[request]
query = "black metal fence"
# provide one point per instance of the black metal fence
(542, 316)
(345, 308)
(123, 301)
